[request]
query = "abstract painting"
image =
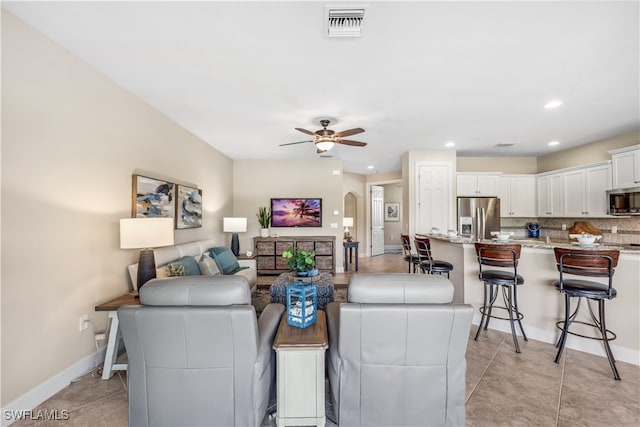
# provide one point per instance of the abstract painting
(188, 207)
(152, 198)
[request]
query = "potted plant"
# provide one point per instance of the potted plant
(300, 261)
(264, 218)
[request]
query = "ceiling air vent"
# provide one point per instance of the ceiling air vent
(344, 22)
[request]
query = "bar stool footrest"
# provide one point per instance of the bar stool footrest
(560, 325)
(517, 315)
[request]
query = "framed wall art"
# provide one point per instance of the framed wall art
(188, 207)
(392, 212)
(152, 198)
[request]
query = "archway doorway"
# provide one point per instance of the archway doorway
(351, 211)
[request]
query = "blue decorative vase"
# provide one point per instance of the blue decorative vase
(303, 273)
(314, 272)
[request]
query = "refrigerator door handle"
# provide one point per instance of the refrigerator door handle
(480, 215)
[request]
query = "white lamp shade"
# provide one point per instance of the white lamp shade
(234, 225)
(347, 222)
(137, 233)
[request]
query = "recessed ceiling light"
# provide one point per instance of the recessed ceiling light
(370, 167)
(450, 144)
(553, 104)
(552, 143)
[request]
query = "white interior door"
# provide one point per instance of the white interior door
(434, 198)
(377, 220)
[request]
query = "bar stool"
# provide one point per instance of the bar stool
(427, 263)
(589, 263)
(409, 256)
(507, 278)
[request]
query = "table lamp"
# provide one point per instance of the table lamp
(346, 223)
(235, 226)
(145, 234)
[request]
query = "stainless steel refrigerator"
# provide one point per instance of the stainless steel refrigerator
(478, 216)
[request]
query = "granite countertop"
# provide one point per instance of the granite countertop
(541, 244)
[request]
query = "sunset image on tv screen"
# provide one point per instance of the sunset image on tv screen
(296, 212)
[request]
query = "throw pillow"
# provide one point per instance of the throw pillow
(208, 266)
(175, 269)
(189, 265)
(226, 259)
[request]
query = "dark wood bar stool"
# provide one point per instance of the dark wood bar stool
(427, 263)
(411, 257)
(586, 263)
(506, 278)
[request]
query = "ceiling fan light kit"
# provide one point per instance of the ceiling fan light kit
(325, 139)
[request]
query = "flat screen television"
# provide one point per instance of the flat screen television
(296, 212)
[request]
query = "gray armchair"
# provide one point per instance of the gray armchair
(397, 352)
(197, 354)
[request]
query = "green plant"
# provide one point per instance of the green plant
(264, 216)
(300, 260)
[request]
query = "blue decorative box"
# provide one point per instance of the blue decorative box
(302, 304)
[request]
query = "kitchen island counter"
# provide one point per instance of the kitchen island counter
(538, 299)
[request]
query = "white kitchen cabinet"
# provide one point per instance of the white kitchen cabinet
(598, 181)
(477, 185)
(517, 196)
(550, 195)
(626, 167)
(585, 191)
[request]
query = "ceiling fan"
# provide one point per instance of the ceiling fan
(325, 139)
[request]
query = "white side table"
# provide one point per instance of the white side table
(300, 367)
(113, 342)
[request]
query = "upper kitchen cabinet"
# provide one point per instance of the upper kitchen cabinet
(585, 191)
(626, 167)
(517, 195)
(477, 184)
(550, 195)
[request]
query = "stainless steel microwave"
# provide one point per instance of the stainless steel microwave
(625, 201)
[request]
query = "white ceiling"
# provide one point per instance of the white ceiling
(243, 75)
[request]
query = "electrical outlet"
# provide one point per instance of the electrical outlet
(83, 322)
(334, 225)
(614, 229)
(564, 227)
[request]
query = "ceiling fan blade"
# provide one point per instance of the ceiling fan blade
(291, 143)
(349, 132)
(353, 143)
(308, 132)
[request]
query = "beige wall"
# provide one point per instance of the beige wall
(255, 182)
(392, 229)
(70, 141)
(356, 184)
(590, 153)
(497, 164)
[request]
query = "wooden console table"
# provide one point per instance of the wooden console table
(268, 252)
(300, 366)
(113, 342)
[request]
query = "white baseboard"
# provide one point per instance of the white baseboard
(53, 385)
(620, 353)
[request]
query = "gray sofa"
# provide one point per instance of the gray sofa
(197, 354)
(195, 249)
(397, 352)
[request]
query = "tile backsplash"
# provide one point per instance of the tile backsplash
(628, 228)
